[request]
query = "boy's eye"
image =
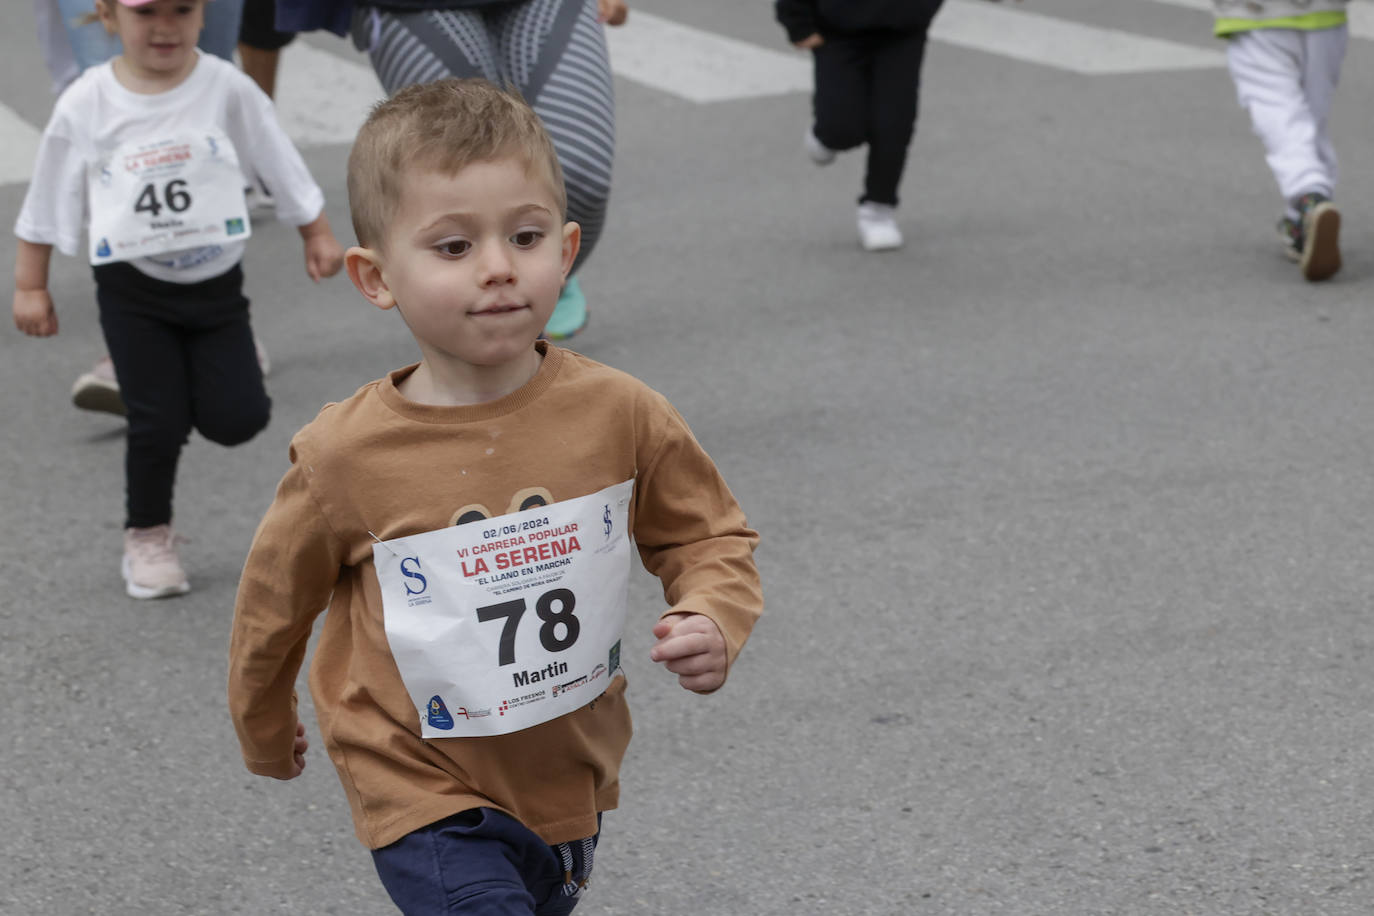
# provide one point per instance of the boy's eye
(527, 238)
(454, 247)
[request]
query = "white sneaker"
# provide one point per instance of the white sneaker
(878, 227)
(97, 389)
(259, 200)
(818, 151)
(151, 568)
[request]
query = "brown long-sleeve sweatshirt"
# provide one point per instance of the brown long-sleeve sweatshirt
(378, 464)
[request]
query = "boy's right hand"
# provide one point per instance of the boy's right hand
(298, 750)
(34, 313)
(810, 42)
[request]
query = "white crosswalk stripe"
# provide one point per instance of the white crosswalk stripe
(20, 147)
(702, 66)
(1059, 43)
(323, 97)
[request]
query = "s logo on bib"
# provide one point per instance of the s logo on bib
(511, 621)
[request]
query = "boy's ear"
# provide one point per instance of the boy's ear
(364, 267)
(572, 241)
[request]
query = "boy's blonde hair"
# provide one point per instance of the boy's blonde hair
(442, 126)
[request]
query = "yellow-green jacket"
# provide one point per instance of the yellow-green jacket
(1234, 16)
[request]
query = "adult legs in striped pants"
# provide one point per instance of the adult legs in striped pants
(552, 51)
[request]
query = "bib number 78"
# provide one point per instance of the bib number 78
(554, 607)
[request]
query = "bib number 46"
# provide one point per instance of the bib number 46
(175, 197)
(554, 607)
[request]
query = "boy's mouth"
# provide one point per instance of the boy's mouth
(498, 309)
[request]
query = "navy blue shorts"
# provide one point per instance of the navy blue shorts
(483, 863)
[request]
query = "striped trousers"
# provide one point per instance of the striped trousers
(552, 51)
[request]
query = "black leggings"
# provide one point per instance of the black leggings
(866, 89)
(184, 357)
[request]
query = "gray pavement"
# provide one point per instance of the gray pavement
(1065, 514)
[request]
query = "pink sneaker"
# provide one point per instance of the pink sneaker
(97, 389)
(151, 567)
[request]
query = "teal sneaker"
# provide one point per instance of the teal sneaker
(570, 314)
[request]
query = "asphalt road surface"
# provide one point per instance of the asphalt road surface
(1065, 506)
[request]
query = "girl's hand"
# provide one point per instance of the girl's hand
(323, 253)
(34, 313)
(612, 12)
(323, 256)
(810, 42)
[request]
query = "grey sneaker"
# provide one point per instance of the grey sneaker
(1321, 233)
(97, 389)
(151, 567)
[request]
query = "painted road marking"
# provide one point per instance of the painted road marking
(702, 66)
(323, 98)
(20, 148)
(1038, 39)
(1360, 14)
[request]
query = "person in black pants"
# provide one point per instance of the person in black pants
(260, 43)
(868, 69)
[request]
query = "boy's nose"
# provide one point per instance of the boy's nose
(497, 264)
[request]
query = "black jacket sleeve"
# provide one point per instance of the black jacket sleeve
(798, 17)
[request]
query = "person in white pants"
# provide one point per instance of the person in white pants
(1285, 60)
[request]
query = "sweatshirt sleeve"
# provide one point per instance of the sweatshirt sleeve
(292, 566)
(692, 535)
(798, 17)
(266, 151)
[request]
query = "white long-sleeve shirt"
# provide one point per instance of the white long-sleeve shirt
(96, 115)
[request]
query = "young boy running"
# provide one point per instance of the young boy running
(472, 517)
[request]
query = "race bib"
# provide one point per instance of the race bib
(183, 190)
(501, 625)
